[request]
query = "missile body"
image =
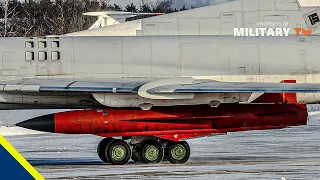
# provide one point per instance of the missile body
(162, 121)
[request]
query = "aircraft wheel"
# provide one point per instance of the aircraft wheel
(151, 152)
(135, 154)
(101, 150)
(178, 153)
(118, 152)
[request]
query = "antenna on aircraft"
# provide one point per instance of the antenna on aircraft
(109, 18)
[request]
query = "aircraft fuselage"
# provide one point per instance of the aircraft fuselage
(222, 58)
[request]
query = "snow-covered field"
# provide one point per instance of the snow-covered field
(292, 153)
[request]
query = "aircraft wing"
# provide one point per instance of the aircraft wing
(71, 85)
(120, 13)
(143, 93)
(152, 86)
(241, 87)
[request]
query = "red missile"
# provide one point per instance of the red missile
(158, 133)
(172, 123)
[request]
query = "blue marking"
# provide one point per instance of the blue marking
(246, 90)
(124, 90)
(84, 89)
(10, 168)
(75, 89)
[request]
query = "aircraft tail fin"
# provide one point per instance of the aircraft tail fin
(103, 19)
(278, 97)
(308, 3)
(289, 97)
(110, 18)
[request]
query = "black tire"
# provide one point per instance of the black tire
(101, 149)
(151, 152)
(178, 152)
(135, 154)
(118, 152)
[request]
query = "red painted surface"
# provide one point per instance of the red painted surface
(290, 97)
(278, 97)
(180, 122)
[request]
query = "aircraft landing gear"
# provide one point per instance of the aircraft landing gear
(101, 150)
(135, 153)
(116, 152)
(148, 151)
(178, 152)
(151, 152)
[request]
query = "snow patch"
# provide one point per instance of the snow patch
(313, 113)
(17, 131)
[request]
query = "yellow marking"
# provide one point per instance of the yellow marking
(24, 163)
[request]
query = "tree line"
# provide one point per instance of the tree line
(56, 17)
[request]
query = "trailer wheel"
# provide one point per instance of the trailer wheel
(151, 152)
(178, 153)
(118, 152)
(102, 149)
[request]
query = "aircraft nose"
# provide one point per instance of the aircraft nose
(44, 123)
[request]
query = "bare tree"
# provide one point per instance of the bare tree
(163, 6)
(55, 17)
(105, 4)
(9, 13)
(146, 6)
(131, 8)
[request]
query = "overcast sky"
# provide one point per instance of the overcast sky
(177, 3)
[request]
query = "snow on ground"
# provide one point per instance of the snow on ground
(16, 131)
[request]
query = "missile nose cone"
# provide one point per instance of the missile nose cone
(43, 123)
